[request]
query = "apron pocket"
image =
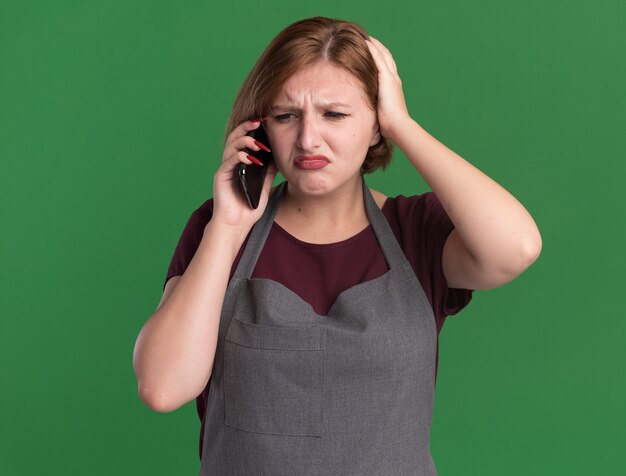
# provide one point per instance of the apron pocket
(274, 379)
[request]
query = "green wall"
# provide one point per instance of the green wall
(111, 119)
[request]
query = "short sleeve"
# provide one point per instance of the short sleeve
(422, 226)
(438, 227)
(189, 240)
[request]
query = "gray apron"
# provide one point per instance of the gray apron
(296, 393)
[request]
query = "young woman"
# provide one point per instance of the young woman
(307, 328)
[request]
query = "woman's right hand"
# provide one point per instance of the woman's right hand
(229, 205)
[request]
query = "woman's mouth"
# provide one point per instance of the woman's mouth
(311, 162)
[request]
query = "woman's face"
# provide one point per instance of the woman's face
(320, 128)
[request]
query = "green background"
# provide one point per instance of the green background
(111, 121)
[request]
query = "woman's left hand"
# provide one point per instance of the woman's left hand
(494, 237)
(392, 110)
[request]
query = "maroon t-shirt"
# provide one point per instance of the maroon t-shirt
(318, 273)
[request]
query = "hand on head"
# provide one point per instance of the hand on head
(392, 109)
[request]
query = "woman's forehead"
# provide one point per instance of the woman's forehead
(323, 85)
(319, 101)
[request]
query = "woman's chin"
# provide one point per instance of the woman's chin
(316, 184)
(309, 184)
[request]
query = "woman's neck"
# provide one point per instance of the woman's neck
(326, 218)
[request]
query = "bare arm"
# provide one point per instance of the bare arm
(495, 238)
(175, 349)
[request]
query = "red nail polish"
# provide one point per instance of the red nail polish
(254, 160)
(262, 146)
(259, 119)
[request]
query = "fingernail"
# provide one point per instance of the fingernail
(254, 160)
(259, 119)
(262, 146)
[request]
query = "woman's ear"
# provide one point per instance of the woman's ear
(376, 136)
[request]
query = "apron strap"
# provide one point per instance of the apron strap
(386, 239)
(258, 235)
(256, 240)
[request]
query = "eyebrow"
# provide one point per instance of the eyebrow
(328, 105)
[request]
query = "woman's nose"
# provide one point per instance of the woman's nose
(309, 137)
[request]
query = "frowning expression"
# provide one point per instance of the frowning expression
(320, 129)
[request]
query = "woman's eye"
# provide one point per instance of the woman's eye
(287, 117)
(335, 115)
(283, 117)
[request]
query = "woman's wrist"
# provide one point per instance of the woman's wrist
(403, 131)
(225, 236)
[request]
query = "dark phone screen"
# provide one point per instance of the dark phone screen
(251, 177)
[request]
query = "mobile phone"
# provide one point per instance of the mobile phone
(251, 177)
